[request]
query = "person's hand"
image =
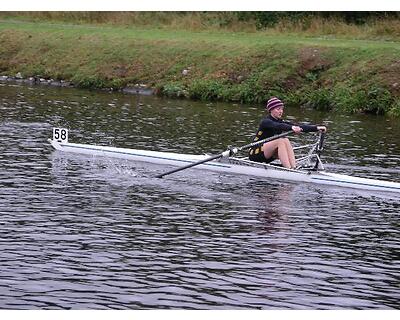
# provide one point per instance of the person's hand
(297, 129)
(321, 128)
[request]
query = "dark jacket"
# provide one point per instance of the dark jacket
(270, 126)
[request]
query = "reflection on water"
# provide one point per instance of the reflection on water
(80, 232)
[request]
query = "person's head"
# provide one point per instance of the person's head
(275, 107)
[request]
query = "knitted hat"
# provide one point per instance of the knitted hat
(273, 103)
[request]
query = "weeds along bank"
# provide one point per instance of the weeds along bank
(324, 73)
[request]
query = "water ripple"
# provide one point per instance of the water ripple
(81, 232)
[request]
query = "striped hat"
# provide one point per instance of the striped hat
(273, 103)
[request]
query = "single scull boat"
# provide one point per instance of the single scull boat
(310, 169)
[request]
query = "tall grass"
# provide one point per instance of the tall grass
(194, 21)
(316, 26)
(374, 27)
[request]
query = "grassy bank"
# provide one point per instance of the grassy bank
(322, 72)
(350, 25)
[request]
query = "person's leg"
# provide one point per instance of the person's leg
(277, 148)
(290, 152)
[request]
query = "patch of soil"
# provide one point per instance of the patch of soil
(390, 76)
(312, 60)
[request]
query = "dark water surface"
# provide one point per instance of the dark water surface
(78, 232)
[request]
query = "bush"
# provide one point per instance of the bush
(394, 110)
(175, 90)
(378, 100)
(346, 100)
(374, 100)
(117, 83)
(88, 82)
(205, 90)
(251, 92)
(320, 99)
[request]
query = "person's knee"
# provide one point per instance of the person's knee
(282, 142)
(286, 143)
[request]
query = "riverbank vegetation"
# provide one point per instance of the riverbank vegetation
(332, 62)
(352, 25)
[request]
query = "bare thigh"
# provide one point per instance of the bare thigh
(270, 149)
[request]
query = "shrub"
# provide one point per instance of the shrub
(88, 82)
(320, 99)
(378, 100)
(205, 90)
(175, 90)
(346, 100)
(394, 110)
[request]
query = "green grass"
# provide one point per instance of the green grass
(350, 25)
(325, 73)
(230, 39)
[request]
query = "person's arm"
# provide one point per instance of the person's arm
(288, 126)
(300, 128)
(308, 127)
(311, 127)
(276, 126)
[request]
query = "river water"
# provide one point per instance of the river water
(80, 232)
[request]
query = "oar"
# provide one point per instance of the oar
(227, 153)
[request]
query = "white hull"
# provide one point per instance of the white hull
(232, 165)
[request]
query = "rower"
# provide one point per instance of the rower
(272, 125)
